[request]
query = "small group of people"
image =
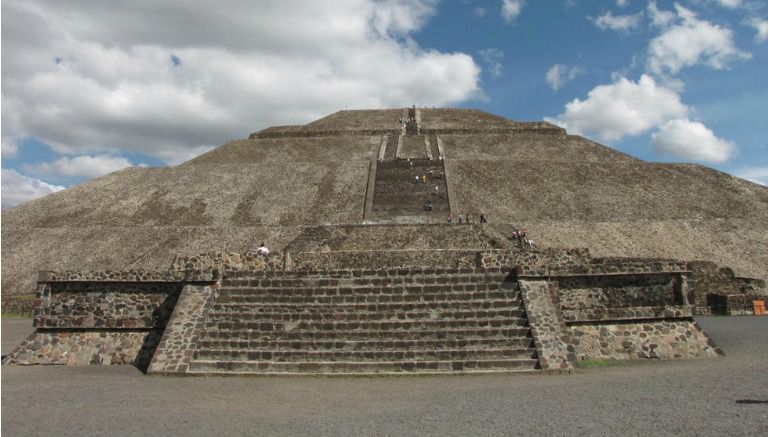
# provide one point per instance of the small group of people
(522, 237)
(464, 219)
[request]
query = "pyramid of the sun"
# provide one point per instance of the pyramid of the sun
(343, 169)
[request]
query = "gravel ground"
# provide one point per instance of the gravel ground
(721, 396)
(14, 332)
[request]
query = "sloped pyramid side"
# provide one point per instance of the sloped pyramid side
(568, 190)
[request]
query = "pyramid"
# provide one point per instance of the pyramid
(355, 168)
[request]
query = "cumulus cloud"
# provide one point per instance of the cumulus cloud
(755, 174)
(560, 74)
(18, 188)
(622, 108)
(80, 166)
(692, 140)
(730, 3)
(622, 3)
(492, 57)
(510, 9)
(170, 79)
(660, 18)
(690, 42)
(621, 23)
(761, 27)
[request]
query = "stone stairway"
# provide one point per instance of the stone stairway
(369, 322)
(433, 147)
(411, 126)
(398, 197)
(391, 148)
(413, 147)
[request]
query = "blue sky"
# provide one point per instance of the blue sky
(98, 87)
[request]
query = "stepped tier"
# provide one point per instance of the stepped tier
(409, 321)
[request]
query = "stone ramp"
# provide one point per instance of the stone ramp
(399, 321)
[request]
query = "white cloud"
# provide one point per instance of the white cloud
(480, 11)
(18, 188)
(560, 74)
(622, 3)
(97, 78)
(622, 23)
(692, 42)
(9, 147)
(755, 174)
(622, 108)
(80, 166)
(510, 9)
(730, 3)
(493, 57)
(761, 27)
(692, 140)
(660, 18)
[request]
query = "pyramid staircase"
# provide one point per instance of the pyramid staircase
(399, 198)
(366, 322)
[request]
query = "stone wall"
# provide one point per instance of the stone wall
(177, 345)
(599, 297)
(557, 262)
(206, 263)
(82, 348)
(554, 346)
(612, 315)
(651, 339)
(708, 279)
(537, 262)
(734, 304)
(130, 275)
(104, 321)
(116, 305)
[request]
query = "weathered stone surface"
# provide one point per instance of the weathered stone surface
(85, 348)
(114, 305)
(568, 190)
(664, 339)
(553, 345)
(177, 345)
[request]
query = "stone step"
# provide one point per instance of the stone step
(366, 367)
(360, 298)
(366, 355)
(366, 335)
(373, 307)
(409, 289)
(347, 316)
(345, 327)
(395, 279)
(378, 344)
(357, 273)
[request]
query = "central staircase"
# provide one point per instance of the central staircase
(366, 322)
(399, 197)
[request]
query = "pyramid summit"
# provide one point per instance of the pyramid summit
(358, 167)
